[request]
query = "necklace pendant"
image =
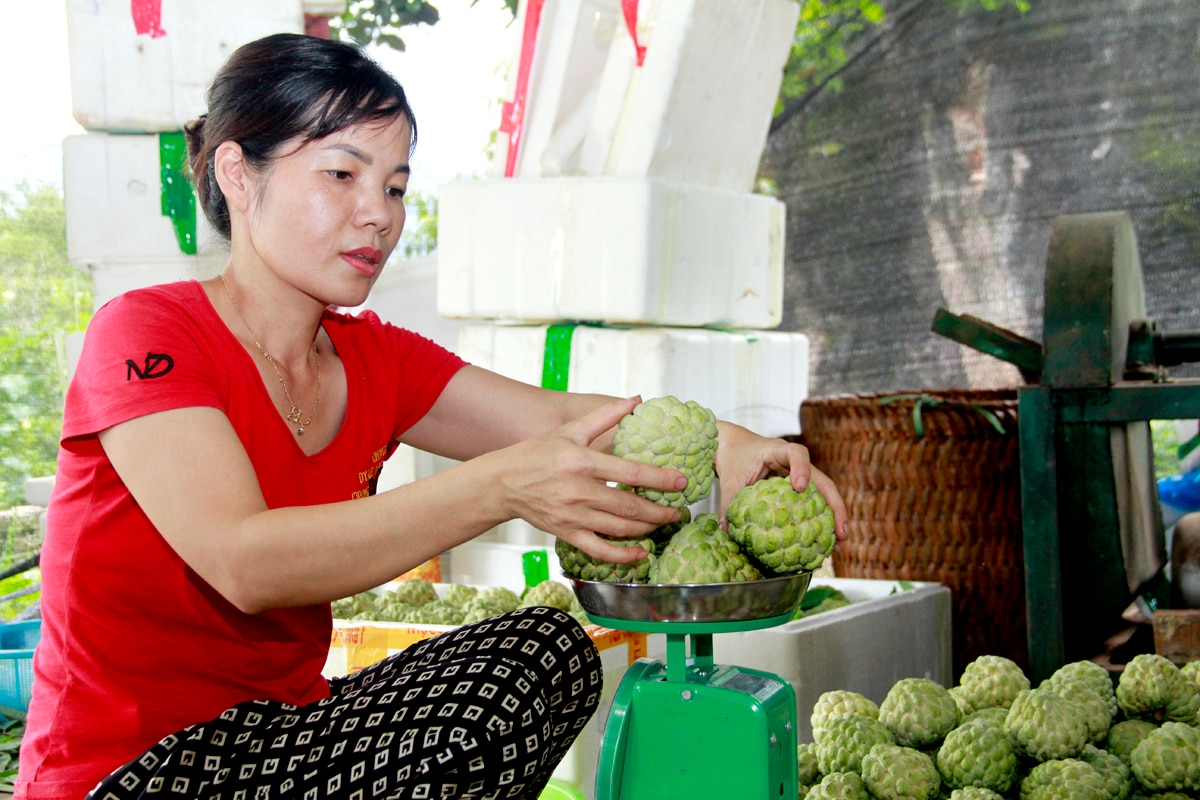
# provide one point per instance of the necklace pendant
(294, 415)
(300, 431)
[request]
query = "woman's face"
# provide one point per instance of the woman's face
(327, 215)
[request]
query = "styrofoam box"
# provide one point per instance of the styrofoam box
(889, 632)
(125, 81)
(112, 189)
(617, 250)
(591, 110)
(573, 42)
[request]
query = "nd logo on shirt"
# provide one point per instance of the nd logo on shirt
(155, 366)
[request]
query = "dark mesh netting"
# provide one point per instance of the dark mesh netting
(932, 179)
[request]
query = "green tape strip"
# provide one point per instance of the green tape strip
(556, 360)
(178, 200)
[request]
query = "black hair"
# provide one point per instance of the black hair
(281, 88)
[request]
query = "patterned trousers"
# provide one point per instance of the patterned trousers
(482, 712)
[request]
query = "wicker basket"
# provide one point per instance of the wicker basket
(932, 484)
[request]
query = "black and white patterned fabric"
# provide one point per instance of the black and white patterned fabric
(480, 713)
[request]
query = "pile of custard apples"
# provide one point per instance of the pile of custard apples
(1079, 735)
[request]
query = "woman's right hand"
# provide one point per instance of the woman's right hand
(558, 483)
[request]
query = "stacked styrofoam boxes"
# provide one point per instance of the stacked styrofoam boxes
(619, 247)
(139, 72)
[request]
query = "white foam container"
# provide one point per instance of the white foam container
(698, 109)
(753, 378)
(888, 633)
(123, 81)
(617, 250)
(112, 191)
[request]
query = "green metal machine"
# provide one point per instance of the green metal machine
(690, 727)
(1091, 522)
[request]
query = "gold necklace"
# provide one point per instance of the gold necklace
(294, 415)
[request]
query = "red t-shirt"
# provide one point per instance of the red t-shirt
(134, 644)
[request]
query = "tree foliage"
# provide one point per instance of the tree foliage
(832, 33)
(42, 297)
(378, 22)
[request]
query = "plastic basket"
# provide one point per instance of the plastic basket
(931, 481)
(17, 642)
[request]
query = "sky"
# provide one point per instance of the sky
(454, 73)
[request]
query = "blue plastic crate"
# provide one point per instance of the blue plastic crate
(17, 642)
(20, 635)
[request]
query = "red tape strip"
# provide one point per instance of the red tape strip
(147, 18)
(512, 114)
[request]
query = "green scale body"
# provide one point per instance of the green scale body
(698, 730)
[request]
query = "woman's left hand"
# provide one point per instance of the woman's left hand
(744, 457)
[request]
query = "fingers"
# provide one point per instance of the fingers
(591, 425)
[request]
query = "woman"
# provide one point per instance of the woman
(215, 492)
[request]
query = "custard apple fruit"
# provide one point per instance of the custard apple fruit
(1095, 708)
(786, 530)
(919, 712)
(479, 610)
(839, 786)
(548, 593)
(1125, 735)
(1044, 727)
(989, 681)
(892, 772)
(1118, 778)
(667, 432)
(414, 591)
(702, 553)
(1063, 779)
(499, 596)
(845, 739)
(841, 701)
(460, 594)
(579, 564)
(974, 793)
(808, 770)
(978, 754)
(1152, 687)
(1168, 759)
(1089, 673)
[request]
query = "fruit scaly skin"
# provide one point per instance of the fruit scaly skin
(979, 754)
(700, 552)
(1063, 779)
(839, 786)
(579, 564)
(841, 701)
(667, 432)
(1168, 759)
(1044, 727)
(845, 739)
(990, 681)
(919, 712)
(549, 593)
(892, 772)
(786, 530)
(1118, 778)
(1152, 687)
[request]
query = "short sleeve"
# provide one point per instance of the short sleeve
(143, 352)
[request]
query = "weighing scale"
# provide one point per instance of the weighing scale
(690, 727)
